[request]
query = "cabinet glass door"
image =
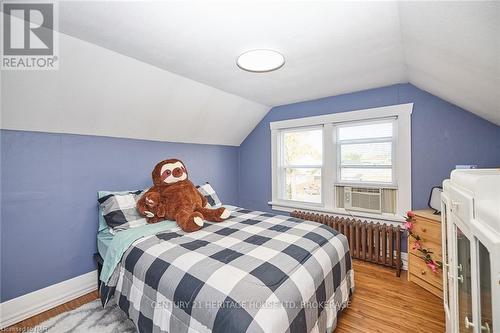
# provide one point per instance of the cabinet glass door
(446, 258)
(485, 288)
(464, 282)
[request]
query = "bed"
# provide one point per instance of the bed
(254, 272)
(104, 239)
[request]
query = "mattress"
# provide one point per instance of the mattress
(104, 238)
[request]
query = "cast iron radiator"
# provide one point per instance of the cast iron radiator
(368, 241)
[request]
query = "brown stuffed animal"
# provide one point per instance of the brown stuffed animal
(174, 197)
(151, 208)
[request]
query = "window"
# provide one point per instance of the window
(365, 152)
(301, 161)
(358, 161)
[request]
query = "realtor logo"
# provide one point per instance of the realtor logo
(28, 40)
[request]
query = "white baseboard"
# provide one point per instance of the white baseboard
(26, 306)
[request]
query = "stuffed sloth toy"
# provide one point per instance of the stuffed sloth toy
(174, 197)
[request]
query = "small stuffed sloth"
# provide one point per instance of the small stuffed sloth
(174, 197)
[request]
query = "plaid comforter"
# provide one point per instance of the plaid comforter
(255, 272)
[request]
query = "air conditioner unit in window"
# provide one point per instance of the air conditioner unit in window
(363, 199)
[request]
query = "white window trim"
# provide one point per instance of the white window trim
(281, 175)
(402, 155)
(393, 140)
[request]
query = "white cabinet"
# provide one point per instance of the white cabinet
(471, 250)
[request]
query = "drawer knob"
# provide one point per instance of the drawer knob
(424, 230)
(423, 272)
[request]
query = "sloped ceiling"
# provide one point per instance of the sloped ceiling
(97, 91)
(451, 49)
(330, 47)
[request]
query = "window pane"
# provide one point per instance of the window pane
(365, 131)
(303, 184)
(359, 154)
(366, 175)
(303, 147)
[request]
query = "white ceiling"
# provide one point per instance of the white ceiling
(451, 49)
(187, 87)
(330, 48)
(100, 92)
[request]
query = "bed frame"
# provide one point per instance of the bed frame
(99, 261)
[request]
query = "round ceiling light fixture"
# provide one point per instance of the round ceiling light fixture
(260, 61)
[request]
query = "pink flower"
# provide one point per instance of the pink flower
(408, 225)
(417, 245)
(410, 214)
(432, 265)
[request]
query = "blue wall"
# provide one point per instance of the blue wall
(49, 191)
(443, 135)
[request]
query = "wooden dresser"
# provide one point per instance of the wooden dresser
(428, 227)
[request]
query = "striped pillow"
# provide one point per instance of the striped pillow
(119, 210)
(208, 192)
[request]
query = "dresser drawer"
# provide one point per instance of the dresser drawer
(429, 231)
(429, 245)
(427, 286)
(419, 269)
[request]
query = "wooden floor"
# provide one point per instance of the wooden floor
(382, 302)
(25, 325)
(385, 303)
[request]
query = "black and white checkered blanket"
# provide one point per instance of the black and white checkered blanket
(255, 272)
